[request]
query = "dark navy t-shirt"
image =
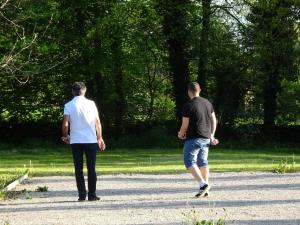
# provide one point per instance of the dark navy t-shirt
(199, 111)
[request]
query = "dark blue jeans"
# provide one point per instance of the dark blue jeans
(90, 151)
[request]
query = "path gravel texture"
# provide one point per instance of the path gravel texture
(239, 198)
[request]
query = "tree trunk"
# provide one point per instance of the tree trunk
(151, 86)
(203, 51)
(271, 88)
(175, 29)
(96, 81)
(118, 82)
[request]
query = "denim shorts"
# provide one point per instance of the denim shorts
(195, 152)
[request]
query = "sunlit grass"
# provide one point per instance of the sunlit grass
(47, 161)
(8, 176)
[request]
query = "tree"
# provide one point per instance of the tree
(203, 49)
(174, 13)
(22, 39)
(228, 66)
(274, 35)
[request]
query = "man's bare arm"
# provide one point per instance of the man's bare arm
(184, 127)
(98, 128)
(213, 124)
(213, 140)
(101, 142)
(65, 129)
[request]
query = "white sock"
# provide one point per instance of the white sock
(202, 183)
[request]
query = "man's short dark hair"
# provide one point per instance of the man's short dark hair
(194, 87)
(78, 88)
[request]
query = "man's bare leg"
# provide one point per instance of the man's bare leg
(195, 171)
(204, 187)
(205, 173)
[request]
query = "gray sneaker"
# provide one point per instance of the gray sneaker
(203, 191)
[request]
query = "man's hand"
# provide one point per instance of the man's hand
(213, 140)
(66, 139)
(101, 144)
(181, 135)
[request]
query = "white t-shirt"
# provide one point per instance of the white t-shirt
(83, 114)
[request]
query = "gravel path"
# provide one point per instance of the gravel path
(241, 198)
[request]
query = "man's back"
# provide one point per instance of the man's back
(199, 111)
(82, 117)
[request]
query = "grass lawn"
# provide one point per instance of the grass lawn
(58, 161)
(10, 176)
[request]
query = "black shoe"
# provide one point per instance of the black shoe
(81, 199)
(206, 195)
(94, 198)
(202, 191)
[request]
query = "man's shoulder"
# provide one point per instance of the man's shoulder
(74, 102)
(89, 101)
(204, 100)
(90, 104)
(68, 103)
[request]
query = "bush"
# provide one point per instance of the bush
(286, 167)
(247, 133)
(153, 138)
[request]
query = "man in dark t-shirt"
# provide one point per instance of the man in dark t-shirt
(198, 129)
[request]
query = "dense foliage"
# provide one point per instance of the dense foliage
(136, 57)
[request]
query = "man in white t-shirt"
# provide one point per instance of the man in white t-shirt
(81, 116)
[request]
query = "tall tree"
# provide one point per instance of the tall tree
(203, 49)
(228, 65)
(119, 84)
(274, 34)
(174, 14)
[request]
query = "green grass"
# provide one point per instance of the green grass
(58, 161)
(9, 176)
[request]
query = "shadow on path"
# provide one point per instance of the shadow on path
(145, 204)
